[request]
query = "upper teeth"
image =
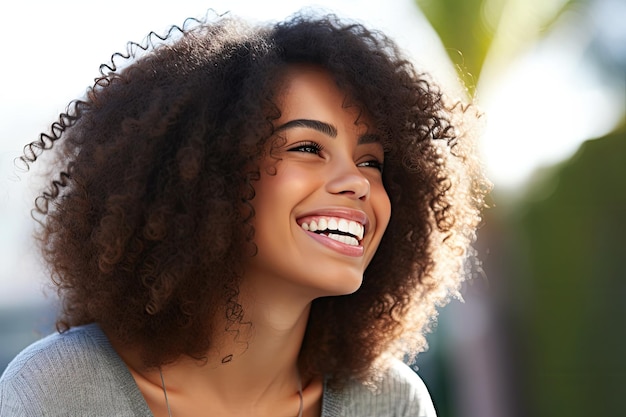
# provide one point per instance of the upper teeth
(335, 223)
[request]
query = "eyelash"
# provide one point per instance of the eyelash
(308, 146)
(373, 164)
(316, 148)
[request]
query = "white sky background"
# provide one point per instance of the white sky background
(51, 52)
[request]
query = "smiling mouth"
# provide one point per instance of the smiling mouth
(342, 230)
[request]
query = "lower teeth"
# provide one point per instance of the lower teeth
(348, 240)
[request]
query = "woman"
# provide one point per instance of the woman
(249, 221)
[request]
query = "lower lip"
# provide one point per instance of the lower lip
(342, 248)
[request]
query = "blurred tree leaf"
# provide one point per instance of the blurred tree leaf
(474, 30)
(572, 253)
(461, 28)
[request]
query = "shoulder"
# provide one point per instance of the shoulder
(59, 356)
(399, 392)
(75, 372)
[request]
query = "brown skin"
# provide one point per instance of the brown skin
(319, 175)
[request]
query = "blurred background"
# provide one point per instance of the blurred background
(540, 331)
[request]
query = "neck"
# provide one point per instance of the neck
(256, 367)
(254, 371)
(261, 354)
(279, 314)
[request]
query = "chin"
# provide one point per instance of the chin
(341, 285)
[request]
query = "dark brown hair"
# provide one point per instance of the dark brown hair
(145, 222)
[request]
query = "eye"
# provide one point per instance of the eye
(374, 163)
(308, 147)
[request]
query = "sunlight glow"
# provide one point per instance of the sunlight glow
(542, 107)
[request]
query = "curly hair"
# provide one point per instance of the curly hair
(146, 220)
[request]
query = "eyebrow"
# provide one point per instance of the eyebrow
(325, 128)
(322, 127)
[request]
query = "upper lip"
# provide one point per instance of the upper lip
(341, 212)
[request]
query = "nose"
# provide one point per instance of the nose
(346, 179)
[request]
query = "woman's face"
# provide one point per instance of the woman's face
(320, 207)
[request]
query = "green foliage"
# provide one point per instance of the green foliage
(573, 263)
(476, 31)
(463, 31)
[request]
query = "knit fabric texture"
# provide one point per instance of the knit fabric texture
(78, 373)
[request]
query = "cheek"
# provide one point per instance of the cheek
(381, 204)
(286, 181)
(266, 212)
(276, 192)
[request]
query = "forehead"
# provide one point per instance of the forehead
(308, 90)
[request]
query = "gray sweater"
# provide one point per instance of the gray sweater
(78, 373)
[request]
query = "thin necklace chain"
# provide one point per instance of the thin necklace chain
(169, 410)
(167, 402)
